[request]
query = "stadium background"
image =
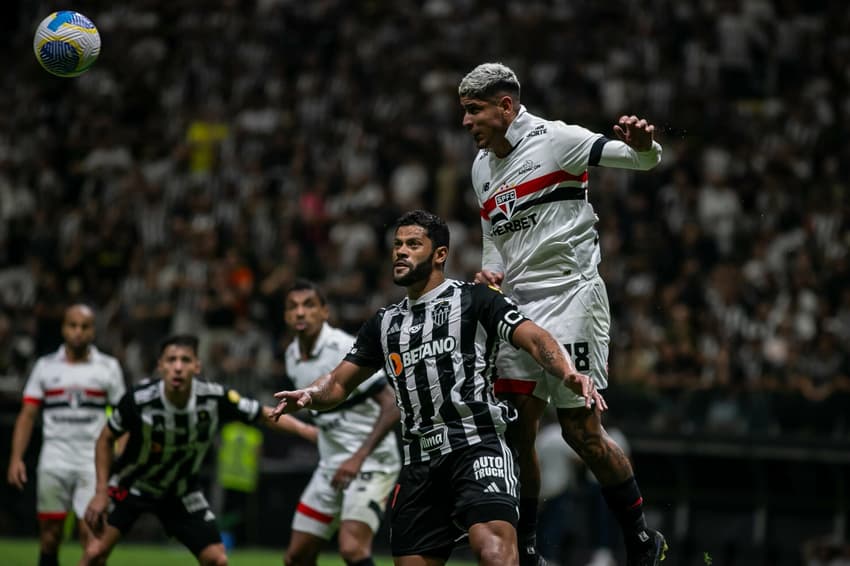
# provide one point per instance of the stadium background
(218, 149)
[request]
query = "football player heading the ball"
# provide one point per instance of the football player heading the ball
(540, 245)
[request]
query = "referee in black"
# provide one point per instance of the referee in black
(438, 347)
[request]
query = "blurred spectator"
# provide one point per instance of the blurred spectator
(215, 152)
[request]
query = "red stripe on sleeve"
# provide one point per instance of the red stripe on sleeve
(32, 401)
(313, 513)
(52, 392)
(95, 392)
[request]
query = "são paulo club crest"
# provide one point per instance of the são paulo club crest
(506, 202)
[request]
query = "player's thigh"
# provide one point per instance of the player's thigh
(190, 520)
(319, 507)
(420, 514)
(83, 490)
(521, 432)
(365, 499)
(581, 321)
(484, 483)
(126, 508)
(54, 492)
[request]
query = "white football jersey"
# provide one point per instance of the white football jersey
(537, 224)
(73, 398)
(343, 429)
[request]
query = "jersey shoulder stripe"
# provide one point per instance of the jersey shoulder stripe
(208, 389)
(146, 393)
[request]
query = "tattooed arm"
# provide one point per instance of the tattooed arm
(553, 358)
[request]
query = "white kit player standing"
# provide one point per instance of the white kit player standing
(540, 245)
(358, 460)
(72, 387)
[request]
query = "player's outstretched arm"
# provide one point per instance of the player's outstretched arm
(17, 472)
(325, 393)
(289, 425)
(635, 147)
(554, 359)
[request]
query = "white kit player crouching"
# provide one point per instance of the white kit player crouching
(358, 460)
(72, 386)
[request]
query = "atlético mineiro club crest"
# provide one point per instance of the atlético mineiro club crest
(440, 313)
(506, 202)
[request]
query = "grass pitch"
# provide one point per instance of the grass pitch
(24, 552)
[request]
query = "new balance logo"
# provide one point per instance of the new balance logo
(492, 488)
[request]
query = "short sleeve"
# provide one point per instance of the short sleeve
(572, 146)
(233, 407)
(367, 351)
(115, 388)
(496, 312)
(125, 415)
(34, 390)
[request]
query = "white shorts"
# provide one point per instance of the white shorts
(322, 508)
(580, 319)
(61, 490)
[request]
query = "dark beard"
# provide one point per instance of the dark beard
(420, 272)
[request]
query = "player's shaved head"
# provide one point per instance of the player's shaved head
(79, 309)
(78, 331)
(488, 80)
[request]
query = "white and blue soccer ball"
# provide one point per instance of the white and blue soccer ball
(66, 43)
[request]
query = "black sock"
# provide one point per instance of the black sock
(626, 503)
(48, 559)
(365, 562)
(526, 530)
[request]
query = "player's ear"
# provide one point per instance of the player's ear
(441, 255)
(506, 103)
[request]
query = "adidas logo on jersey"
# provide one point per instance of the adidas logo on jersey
(394, 329)
(492, 488)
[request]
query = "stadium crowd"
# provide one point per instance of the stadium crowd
(217, 150)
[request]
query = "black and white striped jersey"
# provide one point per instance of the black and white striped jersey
(167, 444)
(439, 352)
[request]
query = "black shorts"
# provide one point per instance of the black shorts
(187, 518)
(435, 502)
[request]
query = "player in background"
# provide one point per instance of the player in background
(541, 247)
(170, 424)
(358, 460)
(437, 347)
(72, 387)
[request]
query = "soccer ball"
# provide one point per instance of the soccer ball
(66, 43)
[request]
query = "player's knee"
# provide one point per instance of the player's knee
(95, 553)
(50, 535)
(352, 553)
(216, 559)
(294, 557)
(213, 555)
(496, 551)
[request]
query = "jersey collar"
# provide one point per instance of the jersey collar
(519, 127)
(171, 407)
(430, 295)
(321, 340)
(62, 354)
